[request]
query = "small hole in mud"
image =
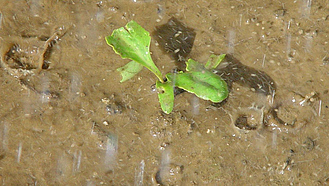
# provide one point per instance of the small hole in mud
(242, 123)
(45, 65)
(158, 178)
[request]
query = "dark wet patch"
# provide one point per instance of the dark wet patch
(233, 71)
(176, 39)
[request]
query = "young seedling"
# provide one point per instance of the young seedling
(133, 42)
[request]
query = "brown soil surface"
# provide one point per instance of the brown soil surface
(65, 118)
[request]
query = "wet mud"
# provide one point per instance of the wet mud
(66, 119)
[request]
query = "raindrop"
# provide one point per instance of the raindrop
(100, 17)
(19, 152)
(0, 20)
(308, 43)
(45, 96)
(274, 138)
(160, 11)
(111, 151)
(320, 106)
(231, 40)
(288, 48)
(195, 105)
(4, 138)
(64, 168)
(75, 86)
(139, 174)
(77, 160)
(305, 8)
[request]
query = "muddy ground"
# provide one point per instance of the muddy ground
(65, 118)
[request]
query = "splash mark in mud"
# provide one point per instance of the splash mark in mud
(24, 62)
(242, 123)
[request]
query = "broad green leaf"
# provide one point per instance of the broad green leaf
(214, 61)
(129, 70)
(207, 87)
(200, 73)
(166, 96)
(133, 42)
(200, 81)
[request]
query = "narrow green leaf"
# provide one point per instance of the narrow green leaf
(129, 70)
(214, 61)
(133, 42)
(166, 96)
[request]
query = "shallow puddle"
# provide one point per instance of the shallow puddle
(66, 119)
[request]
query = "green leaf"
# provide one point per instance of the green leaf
(214, 61)
(192, 65)
(200, 81)
(204, 86)
(133, 42)
(166, 96)
(129, 70)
